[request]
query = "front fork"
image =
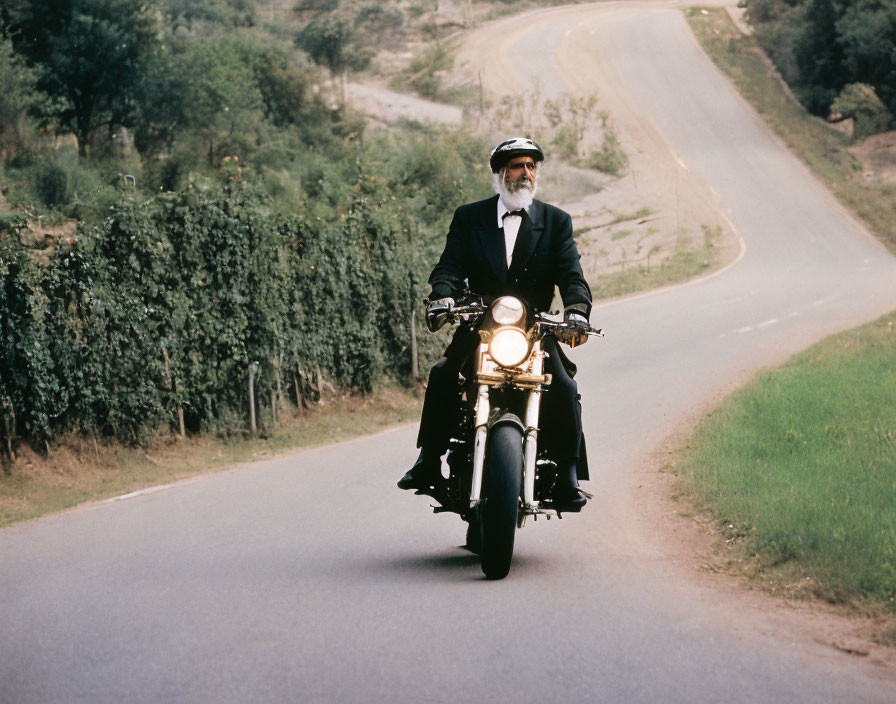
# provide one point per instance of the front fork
(530, 449)
(530, 446)
(481, 435)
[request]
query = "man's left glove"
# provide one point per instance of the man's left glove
(437, 313)
(577, 332)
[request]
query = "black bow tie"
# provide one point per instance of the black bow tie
(518, 213)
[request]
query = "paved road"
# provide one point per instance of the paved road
(312, 579)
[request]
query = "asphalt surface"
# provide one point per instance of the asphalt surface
(313, 579)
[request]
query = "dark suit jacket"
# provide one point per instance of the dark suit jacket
(544, 256)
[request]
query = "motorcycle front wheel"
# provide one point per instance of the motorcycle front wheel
(474, 535)
(499, 512)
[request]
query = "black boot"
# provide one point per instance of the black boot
(567, 495)
(425, 474)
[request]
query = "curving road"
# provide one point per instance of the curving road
(312, 579)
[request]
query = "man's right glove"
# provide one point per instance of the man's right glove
(577, 333)
(437, 313)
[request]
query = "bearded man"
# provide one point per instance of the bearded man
(509, 245)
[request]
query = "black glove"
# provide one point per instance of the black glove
(437, 313)
(577, 332)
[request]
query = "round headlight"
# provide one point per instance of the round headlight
(509, 347)
(508, 310)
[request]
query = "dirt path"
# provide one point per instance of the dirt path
(385, 106)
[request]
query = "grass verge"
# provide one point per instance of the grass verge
(685, 263)
(79, 469)
(822, 148)
(799, 468)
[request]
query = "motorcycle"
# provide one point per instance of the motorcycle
(499, 474)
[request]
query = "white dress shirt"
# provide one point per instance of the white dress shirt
(511, 226)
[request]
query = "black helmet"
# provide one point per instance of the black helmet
(510, 148)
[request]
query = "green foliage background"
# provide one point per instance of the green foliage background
(221, 284)
(231, 214)
(823, 46)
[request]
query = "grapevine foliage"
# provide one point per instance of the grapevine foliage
(168, 303)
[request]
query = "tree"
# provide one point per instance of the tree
(860, 102)
(223, 104)
(778, 26)
(867, 33)
(819, 56)
(762, 11)
(332, 40)
(17, 95)
(227, 13)
(90, 55)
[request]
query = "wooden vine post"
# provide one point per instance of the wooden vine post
(300, 401)
(415, 371)
(253, 427)
(9, 421)
(180, 409)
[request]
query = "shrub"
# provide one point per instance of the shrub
(610, 158)
(860, 102)
(58, 177)
(168, 302)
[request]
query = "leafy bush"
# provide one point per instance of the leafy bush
(610, 158)
(17, 95)
(422, 74)
(168, 302)
(821, 46)
(860, 102)
(565, 144)
(57, 178)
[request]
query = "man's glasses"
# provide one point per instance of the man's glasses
(527, 165)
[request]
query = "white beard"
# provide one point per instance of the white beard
(519, 199)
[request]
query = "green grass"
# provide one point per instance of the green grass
(800, 467)
(684, 264)
(681, 266)
(821, 147)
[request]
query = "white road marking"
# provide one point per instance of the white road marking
(140, 492)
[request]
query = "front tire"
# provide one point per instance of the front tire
(474, 535)
(501, 488)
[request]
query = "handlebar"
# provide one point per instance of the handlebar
(471, 309)
(545, 322)
(476, 309)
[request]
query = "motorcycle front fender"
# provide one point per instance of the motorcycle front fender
(480, 443)
(508, 418)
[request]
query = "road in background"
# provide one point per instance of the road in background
(312, 578)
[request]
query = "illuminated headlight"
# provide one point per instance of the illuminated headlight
(508, 310)
(509, 347)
